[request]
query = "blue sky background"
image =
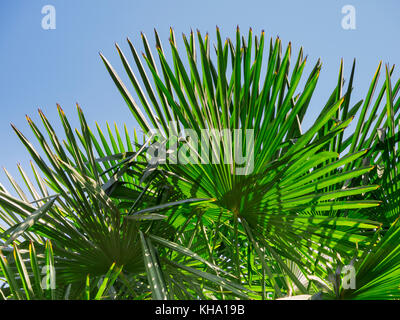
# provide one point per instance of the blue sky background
(40, 68)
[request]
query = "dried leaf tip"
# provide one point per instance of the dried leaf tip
(60, 109)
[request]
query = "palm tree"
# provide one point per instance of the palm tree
(297, 204)
(305, 203)
(79, 210)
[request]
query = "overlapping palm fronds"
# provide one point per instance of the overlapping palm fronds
(279, 211)
(294, 205)
(38, 279)
(81, 205)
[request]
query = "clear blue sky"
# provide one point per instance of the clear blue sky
(40, 68)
